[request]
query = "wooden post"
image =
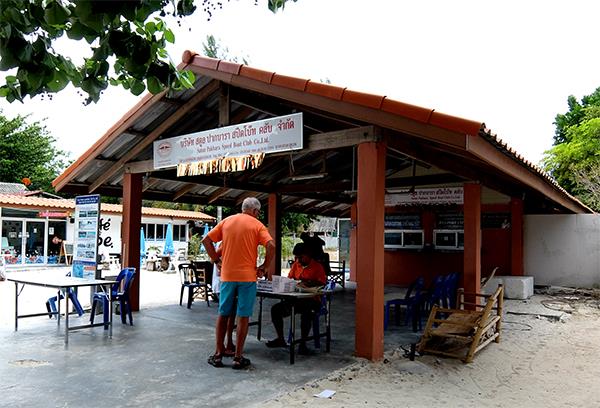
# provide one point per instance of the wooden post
(274, 220)
(369, 248)
(516, 237)
(353, 252)
(472, 242)
(130, 232)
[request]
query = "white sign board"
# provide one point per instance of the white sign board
(272, 135)
(441, 195)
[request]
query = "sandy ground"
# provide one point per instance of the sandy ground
(540, 362)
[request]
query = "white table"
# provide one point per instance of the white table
(51, 280)
(293, 297)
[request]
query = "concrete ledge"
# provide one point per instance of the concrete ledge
(515, 287)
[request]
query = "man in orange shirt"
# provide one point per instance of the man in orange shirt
(240, 235)
(310, 273)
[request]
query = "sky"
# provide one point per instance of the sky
(509, 64)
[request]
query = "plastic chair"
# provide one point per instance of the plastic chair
(451, 287)
(329, 287)
(51, 302)
(316, 324)
(197, 281)
(435, 295)
(118, 292)
(411, 301)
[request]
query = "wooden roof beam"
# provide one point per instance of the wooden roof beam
(220, 192)
(156, 133)
(184, 190)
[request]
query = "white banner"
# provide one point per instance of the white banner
(441, 195)
(262, 136)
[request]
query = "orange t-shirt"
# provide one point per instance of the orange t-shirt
(240, 235)
(313, 272)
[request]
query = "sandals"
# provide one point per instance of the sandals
(240, 362)
(276, 343)
(216, 360)
(229, 352)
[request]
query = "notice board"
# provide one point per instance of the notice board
(85, 248)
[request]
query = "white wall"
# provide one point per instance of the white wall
(110, 234)
(563, 250)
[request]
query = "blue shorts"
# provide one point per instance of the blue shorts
(245, 293)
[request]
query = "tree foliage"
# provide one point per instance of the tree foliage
(27, 151)
(575, 157)
(127, 45)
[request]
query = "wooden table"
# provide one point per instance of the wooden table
(59, 282)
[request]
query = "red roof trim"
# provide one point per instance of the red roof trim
(362, 98)
(455, 123)
(404, 109)
(291, 82)
(326, 90)
(255, 73)
(229, 67)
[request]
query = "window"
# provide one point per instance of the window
(179, 233)
(151, 231)
(398, 239)
(449, 239)
(160, 231)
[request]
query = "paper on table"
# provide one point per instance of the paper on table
(325, 394)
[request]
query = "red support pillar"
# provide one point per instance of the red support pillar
(130, 231)
(516, 237)
(274, 224)
(472, 244)
(369, 248)
(353, 253)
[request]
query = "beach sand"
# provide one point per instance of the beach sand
(545, 358)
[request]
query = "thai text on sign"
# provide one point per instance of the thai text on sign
(272, 135)
(442, 195)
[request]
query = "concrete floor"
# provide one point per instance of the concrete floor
(160, 361)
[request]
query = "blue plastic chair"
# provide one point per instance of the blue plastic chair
(435, 295)
(322, 312)
(451, 286)
(317, 319)
(119, 292)
(51, 302)
(411, 301)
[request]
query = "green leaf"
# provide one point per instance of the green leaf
(154, 85)
(150, 28)
(59, 82)
(169, 36)
(137, 87)
(56, 14)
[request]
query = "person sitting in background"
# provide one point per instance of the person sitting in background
(314, 245)
(311, 274)
(216, 289)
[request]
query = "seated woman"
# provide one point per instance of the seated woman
(310, 273)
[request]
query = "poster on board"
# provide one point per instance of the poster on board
(85, 250)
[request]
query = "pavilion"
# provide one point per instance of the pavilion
(364, 156)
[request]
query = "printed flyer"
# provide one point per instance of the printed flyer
(85, 250)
